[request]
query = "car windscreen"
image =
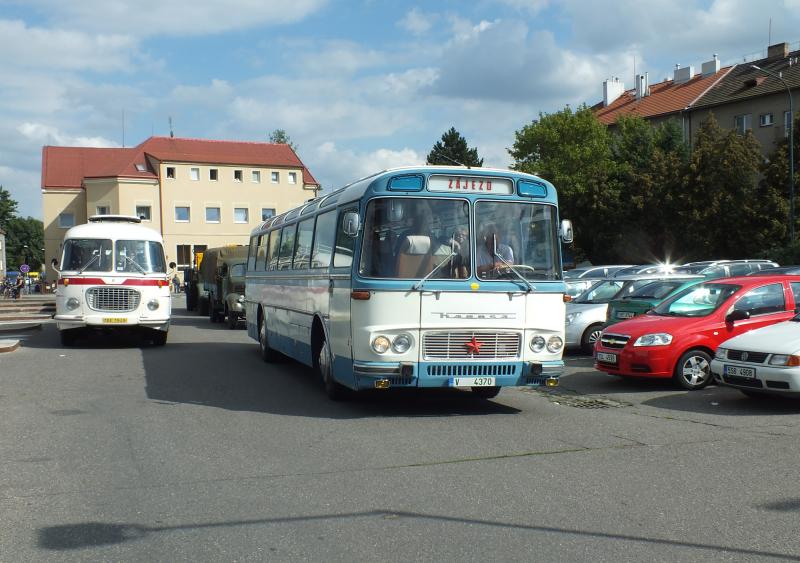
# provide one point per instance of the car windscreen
(576, 273)
(698, 300)
(601, 292)
(237, 271)
(87, 255)
(655, 290)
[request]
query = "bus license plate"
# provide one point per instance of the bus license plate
(471, 382)
(740, 372)
(114, 320)
(625, 315)
(607, 358)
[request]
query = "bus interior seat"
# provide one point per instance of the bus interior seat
(413, 258)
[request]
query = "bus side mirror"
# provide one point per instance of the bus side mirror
(351, 223)
(566, 231)
(54, 264)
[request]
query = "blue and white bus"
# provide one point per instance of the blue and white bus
(425, 276)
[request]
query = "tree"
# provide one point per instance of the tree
(21, 233)
(280, 137)
(453, 149)
(8, 207)
(572, 149)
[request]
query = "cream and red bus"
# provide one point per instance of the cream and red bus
(112, 276)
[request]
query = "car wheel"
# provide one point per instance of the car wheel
(267, 353)
(590, 336)
(335, 391)
(693, 370)
(485, 392)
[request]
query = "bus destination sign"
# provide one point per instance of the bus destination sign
(470, 184)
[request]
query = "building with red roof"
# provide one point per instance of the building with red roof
(198, 193)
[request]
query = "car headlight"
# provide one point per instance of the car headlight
(537, 343)
(554, 344)
(572, 317)
(721, 354)
(381, 344)
(657, 339)
(784, 360)
(73, 303)
(401, 344)
(153, 304)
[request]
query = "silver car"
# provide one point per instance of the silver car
(586, 314)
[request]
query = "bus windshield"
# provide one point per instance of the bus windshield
(141, 256)
(87, 255)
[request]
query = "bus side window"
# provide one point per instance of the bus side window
(251, 253)
(323, 240)
(343, 257)
(302, 247)
(274, 241)
(287, 248)
(261, 252)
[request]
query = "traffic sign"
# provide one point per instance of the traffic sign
(24, 268)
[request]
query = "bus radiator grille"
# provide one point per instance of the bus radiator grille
(117, 299)
(471, 370)
(457, 345)
(400, 380)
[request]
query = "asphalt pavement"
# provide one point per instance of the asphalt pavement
(198, 451)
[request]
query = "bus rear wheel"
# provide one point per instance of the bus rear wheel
(267, 353)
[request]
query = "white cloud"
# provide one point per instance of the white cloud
(175, 17)
(339, 57)
(24, 187)
(531, 7)
(417, 22)
(43, 134)
(341, 166)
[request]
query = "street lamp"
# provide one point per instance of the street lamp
(791, 149)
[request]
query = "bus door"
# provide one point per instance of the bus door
(339, 288)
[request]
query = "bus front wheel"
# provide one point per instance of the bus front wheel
(334, 390)
(68, 337)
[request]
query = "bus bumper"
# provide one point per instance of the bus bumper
(66, 322)
(381, 375)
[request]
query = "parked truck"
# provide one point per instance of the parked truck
(221, 284)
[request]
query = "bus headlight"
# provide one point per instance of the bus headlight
(153, 304)
(554, 344)
(381, 344)
(401, 344)
(72, 303)
(537, 343)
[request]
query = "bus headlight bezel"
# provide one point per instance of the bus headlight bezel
(381, 344)
(402, 343)
(153, 304)
(72, 303)
(537, 343)
(554, 344)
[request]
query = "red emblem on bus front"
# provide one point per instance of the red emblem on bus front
(474, 347)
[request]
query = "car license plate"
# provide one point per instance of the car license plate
(625, 315)
(114, 320)
(607, 358)
(471, 382)
(740, 372)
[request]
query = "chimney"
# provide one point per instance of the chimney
(710, 67)
(612, 89)
(778, 51)
(682, 75)
(642, 86)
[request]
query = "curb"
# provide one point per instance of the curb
(8, 345)
(15, 326)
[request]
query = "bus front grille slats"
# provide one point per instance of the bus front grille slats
(471, 370)
(113, 299)
(454, 345)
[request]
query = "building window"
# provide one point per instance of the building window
(765, 119)
(241, 215)
(212, 215)
(787, 123)
(194, 174)
(276, 177)
(292, 177)
(171, 172)
(213, 174)
(742, 123)
(184, 255)
(256, 176)
(144, 212)
(103, 210)
(66, 220)
(267, 212)
(237, 175)
(182, 214)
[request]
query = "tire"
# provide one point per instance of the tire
(335, 391)
(159, 337)
(590, 336)
(212, 312)
(267, 354)
(485, 392)
(233, 319)
(693, 370)
(68, 337)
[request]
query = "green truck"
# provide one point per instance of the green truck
(220, 284)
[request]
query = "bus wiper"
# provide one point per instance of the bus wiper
(508, 265)
(135, 263)
(439, 266)
(89, 263)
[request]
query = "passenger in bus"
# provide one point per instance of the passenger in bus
(488, 264)
(459, 243)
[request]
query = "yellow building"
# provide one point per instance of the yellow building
(197, 193)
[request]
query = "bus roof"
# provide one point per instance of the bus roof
(357, 189)
(113, 230)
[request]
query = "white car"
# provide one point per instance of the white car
(762, 361)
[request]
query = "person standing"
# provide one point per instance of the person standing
(176, 284)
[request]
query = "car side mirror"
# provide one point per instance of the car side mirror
(351, 223)
(737, 315)
(566, 232)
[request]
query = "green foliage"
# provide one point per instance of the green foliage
(19, 234)
(280, 137)
(8, 208)
(453, 149)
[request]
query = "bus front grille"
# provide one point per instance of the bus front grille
(465, 345)
(471, 370)
(117, 299)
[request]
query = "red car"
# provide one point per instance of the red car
(678, 338)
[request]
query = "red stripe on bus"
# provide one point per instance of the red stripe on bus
(99, 281)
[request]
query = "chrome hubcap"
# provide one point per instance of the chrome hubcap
(695, 370)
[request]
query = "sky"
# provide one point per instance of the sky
(359, 86)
